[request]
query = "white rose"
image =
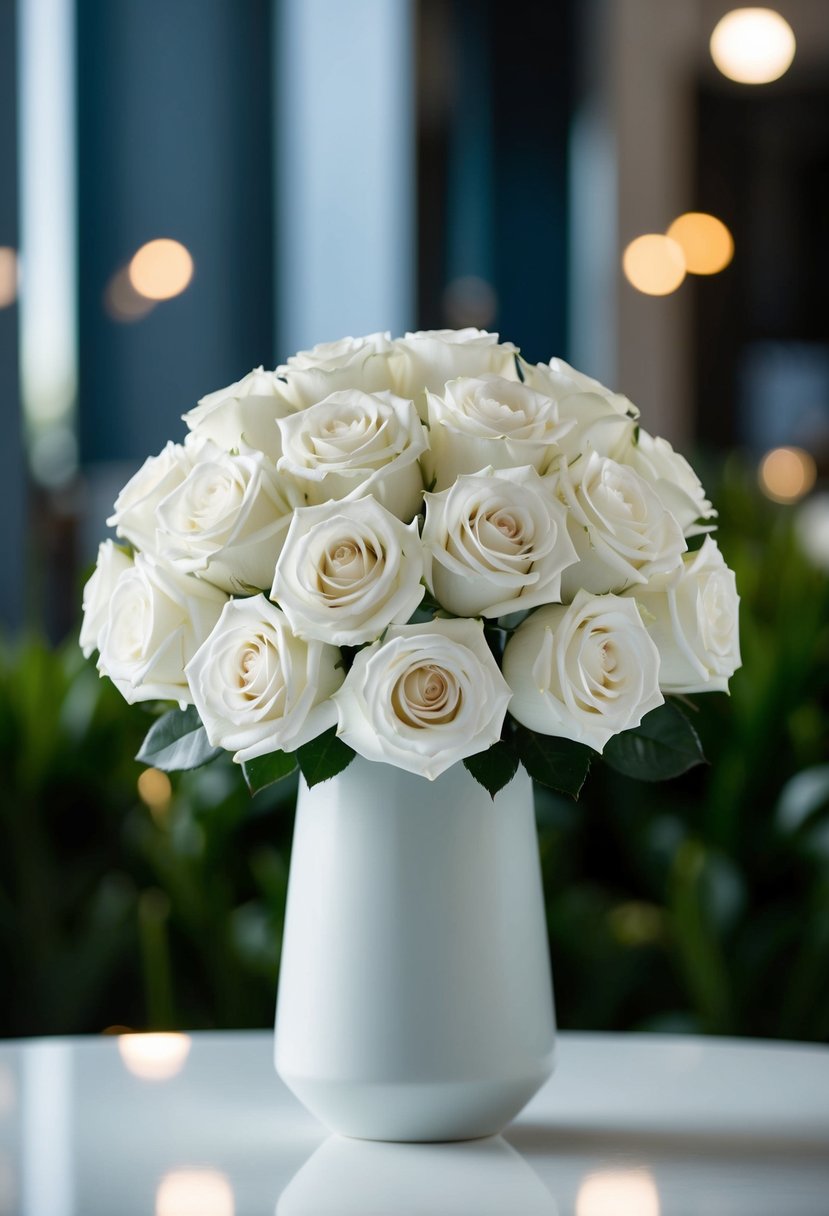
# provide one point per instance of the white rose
(618, 402)
(693, 617)
(111, 564)
(259, 689)
(425, 361)
(356, 443)
(676, 483)
(584, 672)
(424, 698)
(134, 512)
(244, 414)
(157, 620)
(496, 543)
(622, 532)
(227, 521)
(305, 382)
(601, 420)
(349, 353)
(491, 421)
(348, 570)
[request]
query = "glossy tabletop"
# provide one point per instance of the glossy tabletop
(201, 1126)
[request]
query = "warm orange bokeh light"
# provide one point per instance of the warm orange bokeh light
(154, 789)
(194, 1193)
(705, 241)
(753, 45)
(618, 1193)
(786, 474)
(154, 1057)
(161, 269)
(8, 276)
(654, 264)
(122, 302)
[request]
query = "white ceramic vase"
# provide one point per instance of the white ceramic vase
(415, 1000)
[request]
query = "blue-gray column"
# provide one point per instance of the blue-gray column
(345, 169)
(174, 137)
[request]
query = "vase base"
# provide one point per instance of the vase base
(425, 1112)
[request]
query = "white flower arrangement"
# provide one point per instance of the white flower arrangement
(422, 550)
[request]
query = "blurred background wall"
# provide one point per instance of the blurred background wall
(322, 167)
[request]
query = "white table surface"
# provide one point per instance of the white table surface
(628, 1126)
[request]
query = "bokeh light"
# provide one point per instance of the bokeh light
(122, 302)
(654, 264)
(161, 269)
(753, 45)
(812, 529)
(618, 1193)
(636, 923)
(154, 1057)
(706, 243)
(8, 276)
(194, 1193)
(54, 455)
(786, 474)
(155, 790)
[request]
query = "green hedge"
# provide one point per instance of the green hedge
(700, 904)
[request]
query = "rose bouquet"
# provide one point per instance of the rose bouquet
(423, 550)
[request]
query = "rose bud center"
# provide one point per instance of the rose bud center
(345, 563)
(426, 696)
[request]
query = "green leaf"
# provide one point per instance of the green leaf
(494, 768)
(177, 741)
(263, 771)
(662, 746)
(324, 757)
(559, 763)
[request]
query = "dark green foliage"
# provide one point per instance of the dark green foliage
(494, 768)
(111, 913)
(324, 757)
(267, 770)
(559, 764)
(663, 745)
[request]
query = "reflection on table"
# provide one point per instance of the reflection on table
(179, 1125)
